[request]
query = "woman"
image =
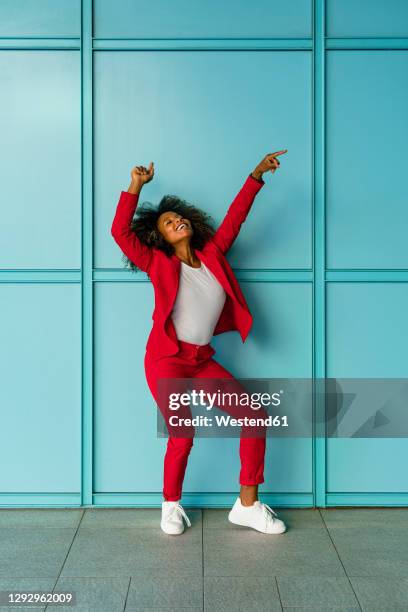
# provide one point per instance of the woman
(196, 296)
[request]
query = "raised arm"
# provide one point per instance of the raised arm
(124, 236)
(237, 212)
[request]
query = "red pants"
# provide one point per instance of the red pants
(194, 361)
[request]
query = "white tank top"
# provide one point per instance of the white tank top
(198, 305)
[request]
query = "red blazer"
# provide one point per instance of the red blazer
(164, 271)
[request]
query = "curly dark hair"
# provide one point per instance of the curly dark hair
(144, 224)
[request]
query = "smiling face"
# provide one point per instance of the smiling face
(174, 227)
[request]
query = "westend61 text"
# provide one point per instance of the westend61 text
(227, 421)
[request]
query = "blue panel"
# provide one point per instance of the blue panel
(186, 19)
(366, 18)
(367, 465)
(206, 128)
(367, 330)
(32, 18)
(40, 126)
(40, 364)
(367, 336)
(367, 131)
(128, 455)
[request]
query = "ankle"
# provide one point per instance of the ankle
(248, 502)
(248, 494)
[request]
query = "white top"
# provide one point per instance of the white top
(198, 305)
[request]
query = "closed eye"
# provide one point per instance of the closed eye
(169, 220)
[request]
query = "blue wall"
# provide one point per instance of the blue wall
(205, 91)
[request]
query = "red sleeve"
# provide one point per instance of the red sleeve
(125, 237)
(237, 213)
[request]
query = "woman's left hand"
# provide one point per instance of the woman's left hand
(269, 162)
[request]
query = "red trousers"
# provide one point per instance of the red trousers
(195, 362)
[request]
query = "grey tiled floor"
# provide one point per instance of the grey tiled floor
(119, 559)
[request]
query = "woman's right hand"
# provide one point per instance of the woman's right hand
(141, 175)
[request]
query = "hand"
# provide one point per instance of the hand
(141, 175)
(269, 162)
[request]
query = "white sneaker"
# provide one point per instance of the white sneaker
(172, 518)
(259, 516)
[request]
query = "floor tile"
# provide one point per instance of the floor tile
(369, 551)
(245, 552)
(20, 608)
(40, 517)
(366, 517)
(381, 594)
(164, 609)
(126, 551)
(164, 592)
(104, 594)
(321, 609)
(242, 594)
(24, 585)
(37, 552)
(316, 591)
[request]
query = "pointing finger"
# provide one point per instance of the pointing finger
(279, 152)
